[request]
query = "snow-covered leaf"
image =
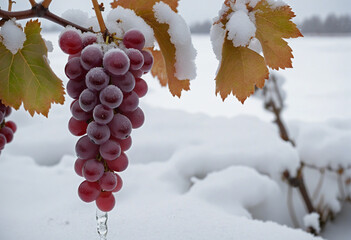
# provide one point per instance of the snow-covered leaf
(26, 77)
(174, 76)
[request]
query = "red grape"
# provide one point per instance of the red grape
(70, 42)
(120, 126)
(76, 127)
(134, 39)
(119, 164)
(89, 191)
(108, 181)
(106, 201)
(85, 148)
(116, 62)
(93, 170)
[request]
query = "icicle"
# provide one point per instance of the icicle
(101, 218)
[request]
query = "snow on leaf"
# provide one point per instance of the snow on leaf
(273, 24)
(240, 70)
(27, 78)
(167, 48)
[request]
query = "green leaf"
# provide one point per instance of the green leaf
(27, 78)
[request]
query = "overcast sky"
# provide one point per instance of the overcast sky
(201, 10)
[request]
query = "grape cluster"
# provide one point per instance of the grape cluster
(7, 128)
(106, 86)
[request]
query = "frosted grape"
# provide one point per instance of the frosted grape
(96, 79)
(86, 149)
(136, 117)
(98, 133)
(88, 100)
(93, 170)
(148, 61)
(125, 82)
(70, 42)
(130, 102)
(102, 114)
(108, 181)
(74, 69)
(111, 96)
(120, 126)
(116, 62)
(110, 150)
(134, 39)
(136, 59)
(91, 57)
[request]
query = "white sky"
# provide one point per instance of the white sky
(201, 10)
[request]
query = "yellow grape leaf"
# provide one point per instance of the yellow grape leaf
(26, 77)
(274, 24)
(144, 9)
(240, 70)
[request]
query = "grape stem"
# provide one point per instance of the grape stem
(32, 3)
(102, 25)
(46, 3)
(10, 5)
(38, 10)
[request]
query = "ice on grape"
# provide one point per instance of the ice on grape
(12, 36)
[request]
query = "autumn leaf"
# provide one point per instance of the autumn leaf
(240, 71)
(159, 69)
(26, 77)
(166, 56)
(273, 24)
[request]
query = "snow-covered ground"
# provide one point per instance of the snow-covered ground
(200, 169)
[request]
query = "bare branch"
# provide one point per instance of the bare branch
(38, 11)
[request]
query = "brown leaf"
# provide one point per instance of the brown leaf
(274, 24)
(240, 71)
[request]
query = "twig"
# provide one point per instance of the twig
(319, 186)
(10, 5)
(341, 187)
(46, 3)
(32, 3)
(291, 208)
(38, 11)
(99, 16)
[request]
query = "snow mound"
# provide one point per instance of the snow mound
(235, 189)
(12, 36)
(324, 144)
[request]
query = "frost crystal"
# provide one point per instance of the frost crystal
(181, 38)
(13, 36)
